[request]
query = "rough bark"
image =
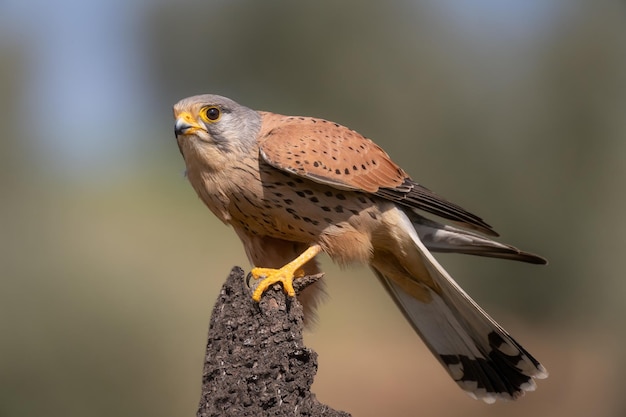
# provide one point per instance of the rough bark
(256, 363)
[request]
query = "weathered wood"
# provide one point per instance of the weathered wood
(256, 363)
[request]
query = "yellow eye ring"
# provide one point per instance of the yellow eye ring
(210, 114)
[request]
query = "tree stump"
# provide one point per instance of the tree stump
(256, 363)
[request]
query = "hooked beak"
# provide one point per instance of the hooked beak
(185, 124)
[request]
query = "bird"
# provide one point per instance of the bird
(293, 187)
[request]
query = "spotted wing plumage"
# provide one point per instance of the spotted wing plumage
(332, 154)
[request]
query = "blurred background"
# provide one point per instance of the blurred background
(110, 264)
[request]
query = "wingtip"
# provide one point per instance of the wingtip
(533, 259)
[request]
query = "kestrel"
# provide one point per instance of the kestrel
(293, 187)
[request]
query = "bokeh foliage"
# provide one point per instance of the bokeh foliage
(108, 274)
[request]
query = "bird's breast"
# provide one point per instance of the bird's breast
(261, 200)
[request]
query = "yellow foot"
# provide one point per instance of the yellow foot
(284, 275)
(270, 277)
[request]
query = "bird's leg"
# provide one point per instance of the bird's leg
(284, 275)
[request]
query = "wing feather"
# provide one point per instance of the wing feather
(331, 154)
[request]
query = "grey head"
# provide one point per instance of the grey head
(210, 120)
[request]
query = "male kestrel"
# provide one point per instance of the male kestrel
(293, 187)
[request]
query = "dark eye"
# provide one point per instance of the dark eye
(211, 113)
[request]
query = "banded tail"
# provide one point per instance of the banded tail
(477, 352)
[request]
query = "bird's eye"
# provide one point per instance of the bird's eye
(210, 114)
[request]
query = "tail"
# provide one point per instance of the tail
(477, 352)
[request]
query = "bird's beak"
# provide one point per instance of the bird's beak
(185, 124)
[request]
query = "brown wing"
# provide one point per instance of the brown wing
(332, 154)
(327, 152)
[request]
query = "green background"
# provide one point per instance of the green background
(109, 264)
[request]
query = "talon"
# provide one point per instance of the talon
(284, 275)
(261, 273)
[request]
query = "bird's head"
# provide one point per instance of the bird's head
(214, 127)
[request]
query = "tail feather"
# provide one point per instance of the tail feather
(476, 351)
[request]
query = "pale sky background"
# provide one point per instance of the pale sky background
(95, 49)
